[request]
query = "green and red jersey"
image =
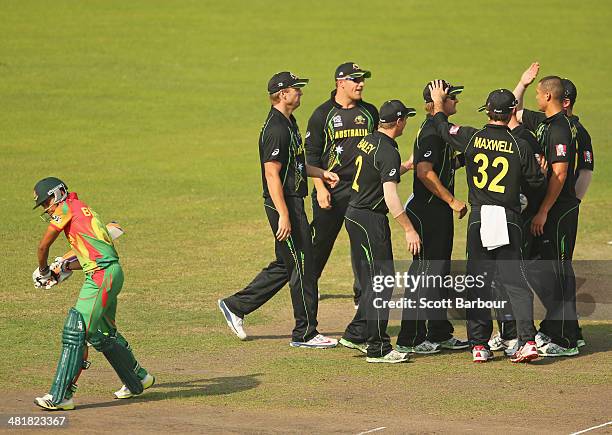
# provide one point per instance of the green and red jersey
(86, 233)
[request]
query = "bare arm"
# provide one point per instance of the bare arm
(407, 165)
(430, 179)
(394, 204)
(275, 187)
(43, 247)
(582, 183)
(519, 91)
(555, 184)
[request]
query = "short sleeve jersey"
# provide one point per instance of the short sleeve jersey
(377, 161)
(333, 134)
(496, 162)
(430, 147)
(584, 158)
(280, 141)
(557, 138)
(86, 233)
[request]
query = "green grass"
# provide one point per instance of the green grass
(151, 111)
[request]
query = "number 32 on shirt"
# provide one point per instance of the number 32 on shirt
(481, 180)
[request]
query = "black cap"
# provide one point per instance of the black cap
(569, 90)
(500, 101)
(392, 110)
(450, 90)
(284, 80)
(45, 188)
(351, 70)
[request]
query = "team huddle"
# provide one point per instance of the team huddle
(526, 172)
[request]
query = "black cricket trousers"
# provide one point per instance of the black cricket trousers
(293, 264)
(371, 245)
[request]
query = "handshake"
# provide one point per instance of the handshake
(57, 272)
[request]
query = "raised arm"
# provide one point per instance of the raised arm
(527, 78)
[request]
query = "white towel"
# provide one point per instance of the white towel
(493, 227)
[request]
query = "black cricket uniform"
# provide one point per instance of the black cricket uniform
(585, 158)
(506, 324)
(331, 140)
(377, 161)
(432, 218)
(556, 284)
(497, 163)
(280, 141)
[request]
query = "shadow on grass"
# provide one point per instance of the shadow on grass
(199, 387)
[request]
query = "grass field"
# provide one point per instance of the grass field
(151, 111)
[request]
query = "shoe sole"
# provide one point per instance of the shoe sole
(228, 318)
(55, 408)
(379, 360)
(553, 355)
(525, 359)
(456, 347)
(350, 345)
(312, 346)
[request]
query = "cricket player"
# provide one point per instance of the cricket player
(92, 319)
(556, 221)
(334, 130)
(430, 209)
(374, 194)
(497, 164)
(585, 159)
(283, 175)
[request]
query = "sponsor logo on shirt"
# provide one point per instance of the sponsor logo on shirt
(588, 157)
(453, 130)
(275, 152)
(427, 154)
(392, 173)
(561, 150)
(307, 134)
(337, 120)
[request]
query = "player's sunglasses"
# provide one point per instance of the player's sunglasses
(355, 79)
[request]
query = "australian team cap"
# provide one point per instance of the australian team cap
(392, 110)
(350, 70)
(501, 101)
(450, 90)
(284, 80)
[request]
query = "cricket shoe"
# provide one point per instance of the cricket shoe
(527, 352)
(481, 354)
(580, 342)
(392, 357)
(552, 349)
(361, 347)
(541, 339)
(498, 343)
(513, 349)
(233, 321)
(46, 403)
(125, 393)
(317, 342)
(425, 348)
(454, 343)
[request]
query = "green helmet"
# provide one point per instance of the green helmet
(48, 187)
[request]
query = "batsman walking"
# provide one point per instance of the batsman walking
(92, 319)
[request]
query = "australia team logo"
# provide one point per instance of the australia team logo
(337, 120)
(359, 120)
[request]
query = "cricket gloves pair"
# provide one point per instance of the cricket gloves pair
(58, 272)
